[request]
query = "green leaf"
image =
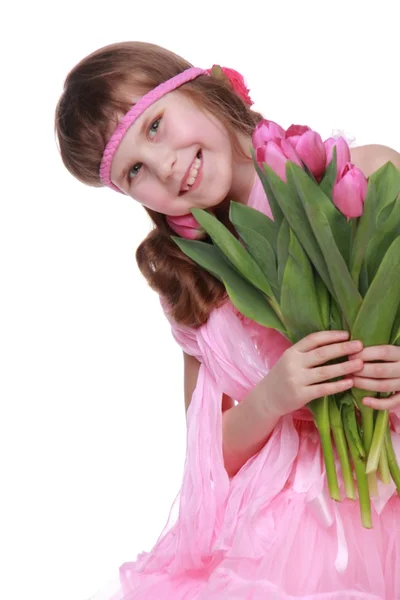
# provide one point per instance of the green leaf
(381, 240)
(261, 250)
(383, 189)
(387, 182)
(311, 194)
(274, 204)
(335, 317)
(242, 215)
(395, 336)
(375, 319)
(233, 250)
(384, 214)
(344, 290)
(247, 299)
(299, 302)
(294, 212)
(329, 178)
(366, 228)
(283, 249)
(363, 284)
(323, 300)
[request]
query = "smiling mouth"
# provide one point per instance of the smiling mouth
(192, 174)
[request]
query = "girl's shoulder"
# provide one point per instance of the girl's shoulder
(370, 157)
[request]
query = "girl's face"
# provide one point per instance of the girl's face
(175, 157)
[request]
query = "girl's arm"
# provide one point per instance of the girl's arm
(246, 426)
(299, 376)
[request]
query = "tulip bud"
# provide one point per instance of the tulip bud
(309, 147)
(342, 152)
(187, 227)
(276, 154)
(350, 190)
(294, 132)
(266, 131)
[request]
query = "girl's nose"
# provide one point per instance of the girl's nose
(166, 162)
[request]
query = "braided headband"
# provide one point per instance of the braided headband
(237, 83)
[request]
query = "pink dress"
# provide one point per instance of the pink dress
(272, 531)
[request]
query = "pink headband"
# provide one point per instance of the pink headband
(135, 112)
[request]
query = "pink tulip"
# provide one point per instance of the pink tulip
(266, 131)
(294, 132)
(187, 227)
(309, 147)
(342, 152)
(276, 153)
(350, 190)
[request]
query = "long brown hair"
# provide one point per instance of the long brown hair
(96, 92)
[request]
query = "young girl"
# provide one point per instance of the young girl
(255, 520)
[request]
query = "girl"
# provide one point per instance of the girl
(255, 520)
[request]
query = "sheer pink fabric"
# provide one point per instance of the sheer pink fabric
(271, 532)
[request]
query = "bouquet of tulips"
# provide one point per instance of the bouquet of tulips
(328, 259)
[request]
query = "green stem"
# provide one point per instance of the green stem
(355, 268)
(320, 411)
(373, 485)
(392, 460)
(367, 416)
(384, 470)
(341, 447)
(381, 424)
(351, 430)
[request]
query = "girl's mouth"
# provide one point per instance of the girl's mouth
(193, 175)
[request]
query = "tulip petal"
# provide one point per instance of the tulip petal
(290, 152)
(311, 150)
(185, 220)
(342, 152)
(296, 130)
(350, 190)
(266, 131)
(186, 226)
(275, 158)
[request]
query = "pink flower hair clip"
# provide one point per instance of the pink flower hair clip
(235, 79)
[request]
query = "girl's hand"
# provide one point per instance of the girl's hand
(383, 376)
(299, 375)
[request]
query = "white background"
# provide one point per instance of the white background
(92, 428)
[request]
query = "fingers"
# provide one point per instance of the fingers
(320, 374)
(323, 354)
(326, 389)
(376, 385)
(378, 370)
(386, 353)
(321, 338)
(383, 403)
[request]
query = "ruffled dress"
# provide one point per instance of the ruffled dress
(271, 531)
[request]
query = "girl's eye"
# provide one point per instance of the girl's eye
(154, 127)
(134, 171)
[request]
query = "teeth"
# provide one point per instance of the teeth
(192, 173)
